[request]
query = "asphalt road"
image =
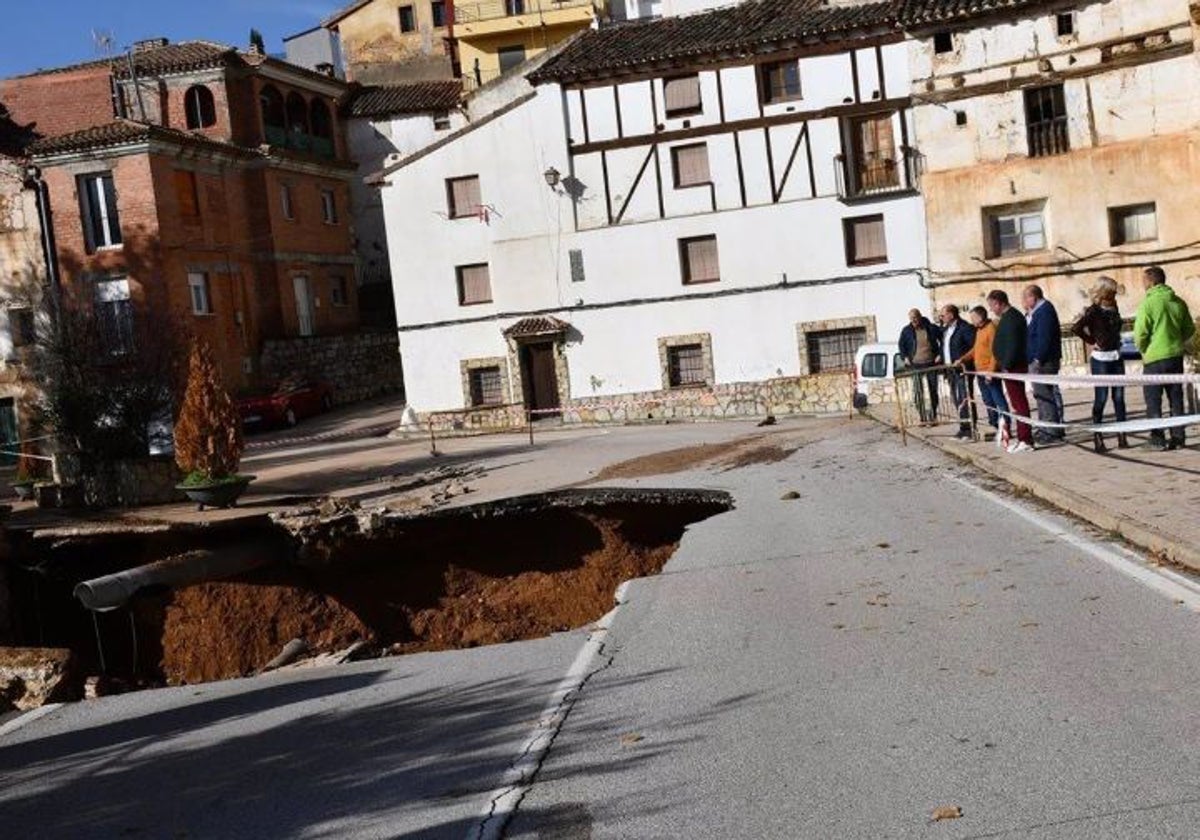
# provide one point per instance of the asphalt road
(899, 639)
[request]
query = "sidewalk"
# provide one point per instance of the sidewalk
(1149, 498)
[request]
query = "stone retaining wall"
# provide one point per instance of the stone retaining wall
(133, 483)
(359, 365)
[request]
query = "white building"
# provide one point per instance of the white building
(693, 216)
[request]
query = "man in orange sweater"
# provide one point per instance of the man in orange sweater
(991, 390)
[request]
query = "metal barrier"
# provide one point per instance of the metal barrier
(931, 396)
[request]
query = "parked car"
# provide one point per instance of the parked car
(874, 365)
(1129, 351)
(286, 404)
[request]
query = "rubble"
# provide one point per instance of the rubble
(32, 677)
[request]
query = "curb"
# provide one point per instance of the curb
(1139, 534)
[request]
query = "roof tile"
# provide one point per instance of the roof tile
(388, 100)
(121, 132)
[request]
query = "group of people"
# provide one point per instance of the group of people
(966, 351)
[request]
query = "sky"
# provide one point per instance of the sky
(50, 33)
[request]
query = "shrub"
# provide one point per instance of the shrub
(208, 434)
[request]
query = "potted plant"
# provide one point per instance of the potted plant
(208, 436)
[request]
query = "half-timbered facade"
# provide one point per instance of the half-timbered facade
(694, 216)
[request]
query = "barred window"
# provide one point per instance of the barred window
(698, 260)
(834, 350)
(681, 96)
(685, 365)
(487, 387)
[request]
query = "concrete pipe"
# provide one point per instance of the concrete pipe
(112, 591)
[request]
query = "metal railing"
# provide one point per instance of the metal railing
(933, 396)
(495, 9)
(1049, 138)
(857, 179)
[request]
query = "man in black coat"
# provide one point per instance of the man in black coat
(921, 347)
(958, 338)
(1010, 346)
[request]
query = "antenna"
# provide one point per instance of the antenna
(104, 41)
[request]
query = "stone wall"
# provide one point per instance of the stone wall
(358, 365)
(825, 393)
(133, 483)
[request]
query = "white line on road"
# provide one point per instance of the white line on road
(1165, 582)
(27, 718)
(504, 800)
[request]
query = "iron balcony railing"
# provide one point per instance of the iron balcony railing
(1049, 138)
(494, 9)
(865, 179)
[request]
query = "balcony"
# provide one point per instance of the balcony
(862, 180)
(1048, 138)
(551, 11)
(299, 141)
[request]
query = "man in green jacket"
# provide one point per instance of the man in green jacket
(1162, 329)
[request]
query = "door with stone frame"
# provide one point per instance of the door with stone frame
(539, 376)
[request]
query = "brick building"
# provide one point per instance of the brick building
(199, 184)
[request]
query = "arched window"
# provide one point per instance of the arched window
(199, 106)
(271, 102)
(297, 114)
(319, 119)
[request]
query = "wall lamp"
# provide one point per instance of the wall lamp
(553, 177)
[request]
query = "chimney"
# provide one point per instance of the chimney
(147, 44)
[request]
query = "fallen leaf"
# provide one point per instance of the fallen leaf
(947, 812)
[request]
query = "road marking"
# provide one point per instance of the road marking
(1166, 582)
(27, 718)
(504, 800)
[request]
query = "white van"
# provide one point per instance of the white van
(875, 367)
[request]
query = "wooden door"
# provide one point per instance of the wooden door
(875, 153)
(541, 379)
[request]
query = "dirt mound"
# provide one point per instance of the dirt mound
(768, 454)
(673, 460)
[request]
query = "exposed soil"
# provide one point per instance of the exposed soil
(443, 583)
(768, 454)
(730, 455)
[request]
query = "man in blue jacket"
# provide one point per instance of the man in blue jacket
(1045, 357)
(921, 347)
(958, 338)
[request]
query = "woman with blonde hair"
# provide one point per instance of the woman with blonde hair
(1100, 328)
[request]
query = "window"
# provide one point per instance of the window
(575, 256)
(339, 291)
(199, 107)
(441, 122)
(873, 165)
(198, 287)
(285, 202)
(874, 366)
(514, 7)
(685, 365)
(943, 42)
(438, 10)
(681, 96)
(186, 194)
(22, 331)
(462, 197)
(487, 386)
(98, 209)
(698, 260)
(690, 165)
(780, 81)
(329, 207)
(474, 284)
(510, 57)
(274, 115)
(1065, 24)
(960, 118)
(1046, 121)
(834, 350)
(1134, 223)
(408, 20)
(114, 315)
(866, 242)
(1015, 230)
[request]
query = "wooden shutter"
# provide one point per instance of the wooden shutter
(700, 260)
(876, 153)
(867, 241)
(464, 197)
(474, 284)
(682, 95)
(691, 165)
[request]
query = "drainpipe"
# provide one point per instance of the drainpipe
(34, 181)
(112, 591)
(455, 66)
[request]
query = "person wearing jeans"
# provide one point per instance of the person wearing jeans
(1009, 347)
(1044, 356)
(1100, 329)
(920, 347)
(1162, 329)
(991, 390)
(958, 338)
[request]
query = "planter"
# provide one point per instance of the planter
(24, 490)
(223, 494)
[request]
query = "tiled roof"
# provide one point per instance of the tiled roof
(752, 26)
(123, 132)
(386, 100)
(917, 12)
(344, 11)
(177, 58)
(546, 325)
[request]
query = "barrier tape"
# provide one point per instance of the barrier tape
(1093, 380)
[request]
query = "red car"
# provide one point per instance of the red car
(286, 404)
